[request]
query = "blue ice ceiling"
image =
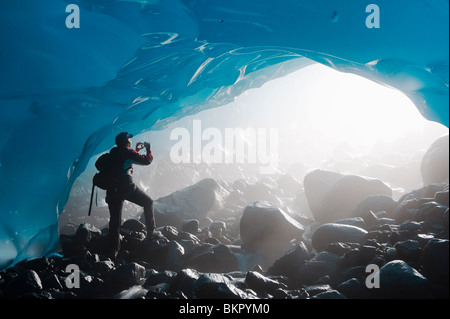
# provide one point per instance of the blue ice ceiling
(139, 65)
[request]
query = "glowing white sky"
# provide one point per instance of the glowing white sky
(342, 106)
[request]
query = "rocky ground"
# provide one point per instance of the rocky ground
(408, 242)
(242, 241)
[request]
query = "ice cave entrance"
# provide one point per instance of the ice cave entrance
(323, 118)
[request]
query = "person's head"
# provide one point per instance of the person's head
(124, 139)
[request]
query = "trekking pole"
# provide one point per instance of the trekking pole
(92, 197)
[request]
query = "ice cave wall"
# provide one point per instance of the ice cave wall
(139, 65)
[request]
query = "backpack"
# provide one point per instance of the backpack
(107, 176)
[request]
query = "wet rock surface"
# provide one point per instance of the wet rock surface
(264, 252)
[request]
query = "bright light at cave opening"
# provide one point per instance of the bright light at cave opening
(320, 103)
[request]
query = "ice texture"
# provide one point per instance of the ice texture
(139, 65)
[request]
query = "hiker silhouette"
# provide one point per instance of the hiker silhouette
(125, 189)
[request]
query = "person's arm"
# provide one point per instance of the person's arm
(139, 159)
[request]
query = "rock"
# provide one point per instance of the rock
(206, 286)
(262, 284)
(175, 252)
(398, 280)
(292, 260)
(124, 277)
(375, 203)
(170, 232)
(51, 281)
(218, 229)
(339, 248)
(269, 230)
(184, 282)
(85, 233)
(203, 199)
(332, 294)
(223, 290)
(313, 290)
(442, 197)
(154, 252)
(322, 264)
(191, 226)
(188, 236)
(317, 184)
(333, 196)
(103, 267)
(435, 162)
(332, 233)
(410, 226)
(218, 258)
(446, 219)
(37, 264)
(290, 294)
(353, 289)
(435, 260)
(157, 278)
(26, 282)
(133, 225)
(408, 250)
(353, 221)
(405, 210)
(135, 292)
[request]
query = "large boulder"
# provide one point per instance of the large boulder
(292, 260)
(203, 199)
(268, 230)
(26, 282)
(435, 162)
(435, 260)
(333, 196)
(398, 280)
(317, 184)
(334, 233)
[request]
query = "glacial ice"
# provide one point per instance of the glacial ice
(139, 65)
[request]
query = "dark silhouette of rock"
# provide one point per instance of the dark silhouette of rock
(435, 162)
(322, 264)
(398, 280)
(332, 294)
(262, 284)
(26, 282)
(217, 258)
(124, 277)
(291, 261)
(435, 260)
(86, 232)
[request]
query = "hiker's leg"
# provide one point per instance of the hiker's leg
(142, 199)
(115, 210)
